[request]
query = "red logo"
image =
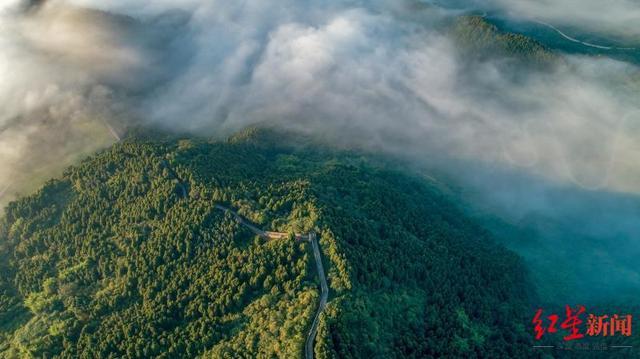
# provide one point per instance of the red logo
(596, 325)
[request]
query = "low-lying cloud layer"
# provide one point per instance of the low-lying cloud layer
(381, 75)
(69, 76)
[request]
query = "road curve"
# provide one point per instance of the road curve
(243, 221)
(112, 131)
(4, 190)
(324, 287)
(573, 39)
(324, 296)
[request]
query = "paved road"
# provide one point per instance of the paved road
(112, 131)
(173, 173)
(573, 39)
(324, 288)
(243, 221)
(4, 190)
(324, 296)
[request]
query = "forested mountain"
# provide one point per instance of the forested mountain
(479, 38)
(126, 255)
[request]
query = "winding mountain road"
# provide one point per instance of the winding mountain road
(4, 190)
(243, 221)
(324, 287)
(573, 39)
(112, 131)
(324, 296)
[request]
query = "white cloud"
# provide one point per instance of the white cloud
(372, 74)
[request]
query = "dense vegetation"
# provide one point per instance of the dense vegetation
(624, 50)
(481, 39)
(125, 255)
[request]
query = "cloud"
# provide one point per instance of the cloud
(379, 75)
(372, 78)
(64, 71)
(380, 71)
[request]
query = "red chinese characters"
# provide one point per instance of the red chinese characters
(572, 323)
(540, 329)
(596, 325)
(602, 325)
